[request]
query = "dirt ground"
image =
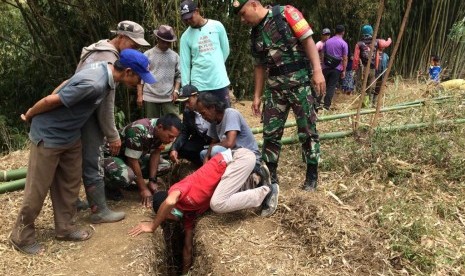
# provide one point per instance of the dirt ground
(308, 235)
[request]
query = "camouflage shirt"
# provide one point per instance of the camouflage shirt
(138, 138)
(271, 49)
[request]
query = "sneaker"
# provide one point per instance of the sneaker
(270, 203)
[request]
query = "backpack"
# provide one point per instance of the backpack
(365, 53)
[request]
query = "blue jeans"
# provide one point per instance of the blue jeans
(215, 151)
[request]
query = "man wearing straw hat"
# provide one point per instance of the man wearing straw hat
(129, 35)
(159, 99)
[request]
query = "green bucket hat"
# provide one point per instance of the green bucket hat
(238, 4)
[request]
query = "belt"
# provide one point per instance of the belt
(286, 69)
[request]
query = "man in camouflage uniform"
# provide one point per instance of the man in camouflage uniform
(139, 157)
(282, 44)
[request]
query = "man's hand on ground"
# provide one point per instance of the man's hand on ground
(143, 227)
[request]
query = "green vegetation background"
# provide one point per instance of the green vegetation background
(41, 40)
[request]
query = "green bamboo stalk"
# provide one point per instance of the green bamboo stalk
(12, 185)
(13, 174)
(343, 134)
(434, 100)
(398, 107)
(20, 183)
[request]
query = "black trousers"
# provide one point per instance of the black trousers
(332, 77)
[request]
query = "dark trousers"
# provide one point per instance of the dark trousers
(191, 150)
(331, 77)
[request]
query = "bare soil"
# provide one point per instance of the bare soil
(310, 234)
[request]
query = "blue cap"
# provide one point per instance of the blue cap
(138, 63)
(367, 30)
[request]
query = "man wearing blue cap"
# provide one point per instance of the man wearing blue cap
(55, 158)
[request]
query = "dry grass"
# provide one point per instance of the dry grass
(390, 204)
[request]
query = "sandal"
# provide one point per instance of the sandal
(77, 235)
(30, 249)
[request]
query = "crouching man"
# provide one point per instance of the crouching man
(190, 197)
(139, 157)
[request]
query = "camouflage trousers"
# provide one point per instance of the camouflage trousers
(119, 174)
(277, 105)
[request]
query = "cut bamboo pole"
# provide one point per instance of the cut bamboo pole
(343, 134)
(20, 183)
(391, 62)
(13, 174)
(398, 107)
(367, 68)
(12, 185)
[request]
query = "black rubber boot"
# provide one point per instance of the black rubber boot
(100, 211)
(311, 178)
(273, 168)
(82, 205)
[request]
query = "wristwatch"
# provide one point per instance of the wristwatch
(153, 179)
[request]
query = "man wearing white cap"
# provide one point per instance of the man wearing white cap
(159, 98)
(129, 35)
(325, 34)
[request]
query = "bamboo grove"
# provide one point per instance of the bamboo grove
(41, 40)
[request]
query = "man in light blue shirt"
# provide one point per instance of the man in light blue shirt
(204, 50)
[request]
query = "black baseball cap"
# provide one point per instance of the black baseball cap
(187, 91)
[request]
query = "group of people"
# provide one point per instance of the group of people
(339, 64)
(74, 136)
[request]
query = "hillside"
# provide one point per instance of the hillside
(389, 204)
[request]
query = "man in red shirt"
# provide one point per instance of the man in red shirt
(186, 200)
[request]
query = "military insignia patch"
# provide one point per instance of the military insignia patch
(295, 16)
